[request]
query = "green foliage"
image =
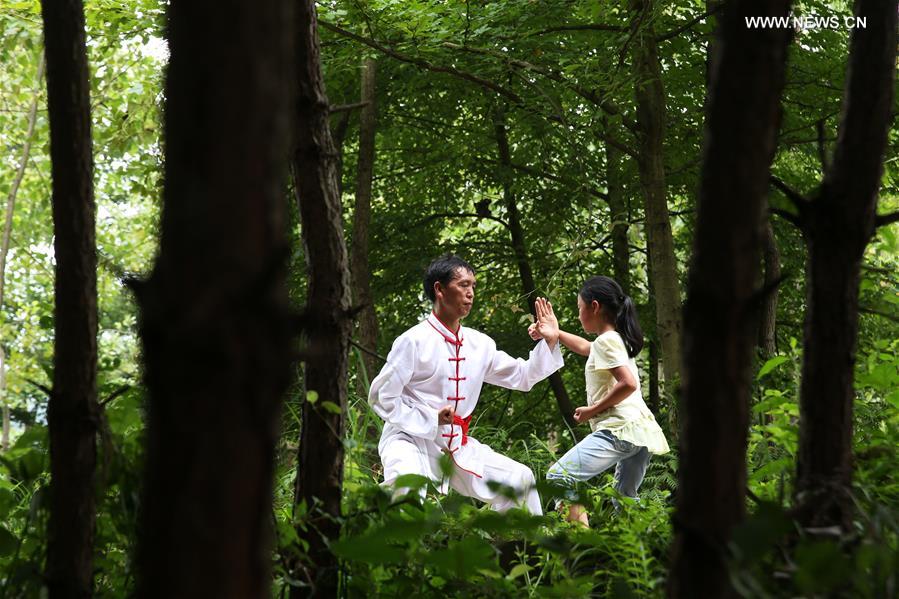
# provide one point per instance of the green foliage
(436, 167)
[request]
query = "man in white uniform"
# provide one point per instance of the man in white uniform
(428, 390)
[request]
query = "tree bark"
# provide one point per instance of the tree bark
(215, 321)
(7, 234)
(359, 269)
(767, 340)
(319, 480)
(72, 413)
(838, 224)
(519, 249)
(743, 117)
(651, 115)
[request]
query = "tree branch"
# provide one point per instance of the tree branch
(579, 27)
(866, 310)
(346, 107)
(424, 64)
(787, 216)
(677, 31)
(364, 349)
(881, 220)
(461, 215)
(118, 392)
(538, 173)
(587, 94)
(41, 386)
(798, 200)
(857, 163)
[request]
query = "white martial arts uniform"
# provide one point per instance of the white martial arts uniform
(430, 367)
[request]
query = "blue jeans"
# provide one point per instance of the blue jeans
(596, 453)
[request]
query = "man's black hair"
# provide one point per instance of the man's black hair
(443, 269)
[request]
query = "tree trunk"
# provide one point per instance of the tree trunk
(319, 480)
(72, 413)
(519, 249)
(651, 115)
(359, 269)
(767, 340)
(7, 233)
(338, 134)
(655, 401)
(838, 225)
(743, 116)
(653, 395)
(619, 218)
(215, 320)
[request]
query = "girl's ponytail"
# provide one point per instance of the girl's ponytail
(628, 327)
(609, 295)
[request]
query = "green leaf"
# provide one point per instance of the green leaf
(822, 567)
(312, 396)
(771, 365)
(7, 501)
(370, 548)
(464, 557)
(411, 481)
(332, 407)
(518, 570)
(771, 468)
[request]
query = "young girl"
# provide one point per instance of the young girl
(625, 432)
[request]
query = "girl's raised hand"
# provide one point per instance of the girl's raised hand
(547, 325)
(533, 332)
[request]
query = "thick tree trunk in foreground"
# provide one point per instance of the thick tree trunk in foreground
(359, 269)
(320, 467)
(519, 249)
(743, 116)
(72, 414)
(838, 224)
(651, 116)
(215, 321)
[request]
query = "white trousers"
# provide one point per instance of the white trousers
(399, 455)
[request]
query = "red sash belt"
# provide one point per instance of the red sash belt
(463, 424)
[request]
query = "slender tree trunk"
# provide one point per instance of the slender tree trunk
(320, 468)
(7, 234)
(619, 218)
(519, 249)
(72, 413)
(215, 320)
(653, 377)
(649, 330)
(359, 269)
(338, 134)
(743, 117)
(651, 115)
(838, 224)
(767, 340)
